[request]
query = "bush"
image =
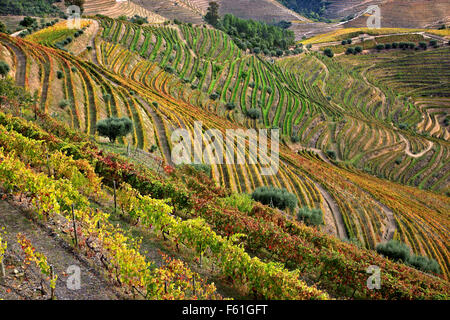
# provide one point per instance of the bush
(328, 52)
(331, 154)
(394, 250)
(295, 139)
(242, 201)
(312, 217)
(59, 74)
(230, 106)
(350, 51)
(279, 198)
(433, 43)
(394, 45)
(214, 96)
(155, 104)
(153, 148)
(27, 22)
(423, 45)
(201, 167)
(388, 46)
(253, 113)
(424, 264)
(113, 128)
(4, 69)
(358, 49)
(63, 104)
(380, 46)
(403, 126)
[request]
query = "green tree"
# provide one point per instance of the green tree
(394, 250)
(4, 69)
(114, 128)
(3, 28)
(328, 52)
(279, 198)
(312, 217)
(212, 16)
(27, 22)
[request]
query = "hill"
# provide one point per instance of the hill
(394, 13)
(115, 9)
(364, 139)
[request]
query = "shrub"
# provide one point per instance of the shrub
(350, 51)
(328, 52)
(279, 198)
(27, 22)
(4, 69)
(388, 46)
(349, 41)
(153, 148)
(295, 138)
(242, 201)
(394, 45)
(107, 97)
(344, 42)
(230, 106)
(380, 46)
(433, 43)
(394, 250)
(113, 128)
(169, 69)
(312, 217)
(59, 74)
(331, 154)
(63, 104)
(155, 104)
(253, 113)
(403, 126)
(201, 167)
(424, 264)
(214, 96)
(423, 45)
(358, 49)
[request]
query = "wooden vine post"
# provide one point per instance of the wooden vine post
(115, 197)
(74, 226)
(52, 289)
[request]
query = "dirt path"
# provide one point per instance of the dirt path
(327, 74)
(58, 253)
(408, 148)
(92, 43)
(21, 65)
(392, 226)
(378, 90)
(332, 206)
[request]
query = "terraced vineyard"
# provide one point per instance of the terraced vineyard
(168, 77)
(114, 9)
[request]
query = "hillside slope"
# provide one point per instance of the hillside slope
(394, 13)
